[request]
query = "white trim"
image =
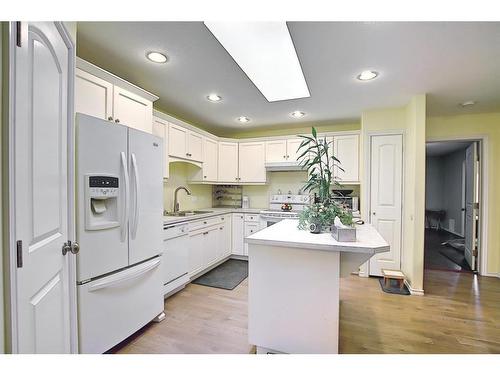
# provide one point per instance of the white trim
(483, 140)
(413, 291)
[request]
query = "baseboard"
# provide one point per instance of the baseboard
(452, 232)
(413, 291)
(239, 257)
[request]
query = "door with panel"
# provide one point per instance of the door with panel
(160, 129)
(146, 195)
(471, 204)
(210, 156)
(252, 162)
(346, 150)
(93, 95)
(177, 141)
(132, 110)
(276, 151)
(43, 217)
(386, 182)
(238, 232)
(210, 245)
(194, 146)
(228, 162)
(292, 148)
(195, 245)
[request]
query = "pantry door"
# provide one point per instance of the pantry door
(386, 181)
(42, 218)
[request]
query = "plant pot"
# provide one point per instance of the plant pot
(315, 227)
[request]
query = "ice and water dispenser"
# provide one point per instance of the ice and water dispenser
(101, 202)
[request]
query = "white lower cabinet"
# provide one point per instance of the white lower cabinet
(238, 233)
(196, 252)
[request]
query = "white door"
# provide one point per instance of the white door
(210, 156)
(196, 245)
(292, 148)
(160, 129)
(238, 232)
(177, 141)
(252, 162)
(228, 162)
(132, 110)
(276, 151)
(146, 196)
(93, 95)
(386, 166)
(42, 217)
(346, 149)
(195, 146)
(471, 205)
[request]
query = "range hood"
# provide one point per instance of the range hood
(287, 166)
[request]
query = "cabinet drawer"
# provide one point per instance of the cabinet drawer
(204, 223)
(251, 228)
(252, 218)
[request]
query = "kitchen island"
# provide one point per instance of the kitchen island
(293, 301)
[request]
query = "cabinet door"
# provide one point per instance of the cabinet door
(251, 162)
(196, 252)
(292, 146)
(250, 228)
(276, 151)
(160, 129)
(238, 234)
(93, 95)
(177, 140)
(226, 235)
(210, 156)
(210, 237)
(132, 110)
(346, 149)
(195, 146)
(228, 162)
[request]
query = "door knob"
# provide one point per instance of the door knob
(110, 118)
(75, 248)
(70, 247)
(373, 213)
(117, 120)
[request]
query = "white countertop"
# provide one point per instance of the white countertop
(286, 234)
(215, 212)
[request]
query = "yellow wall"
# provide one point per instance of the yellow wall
(411, 120)
(474, 125)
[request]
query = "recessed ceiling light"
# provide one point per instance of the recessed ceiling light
(298, 114)
(468, 103)
(156, 57)
(367, 75)
(265, 52)
(214, 98)
(243, 119)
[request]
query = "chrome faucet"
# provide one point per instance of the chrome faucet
(176, 203)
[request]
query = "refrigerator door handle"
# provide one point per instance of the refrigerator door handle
(136, 196)
(126, 275)
(123, 225)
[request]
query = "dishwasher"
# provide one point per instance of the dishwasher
(175, 260)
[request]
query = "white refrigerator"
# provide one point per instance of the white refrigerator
(119, 229)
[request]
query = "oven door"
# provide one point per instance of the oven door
(267, 220)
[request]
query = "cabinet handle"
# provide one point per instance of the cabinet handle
(222, 218)
(204, 176)
(110, 118)
(287, 156)
(205, 233)
(284, 156)
(204, 222)
(220, 228)
(117, 120)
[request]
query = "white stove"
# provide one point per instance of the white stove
(275, 213)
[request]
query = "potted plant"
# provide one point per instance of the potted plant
(318, 159)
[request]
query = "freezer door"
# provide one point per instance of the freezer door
(113, 307)
(146, 196)
(101, 149)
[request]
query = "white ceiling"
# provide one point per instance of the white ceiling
(451, 62)
(444, 148)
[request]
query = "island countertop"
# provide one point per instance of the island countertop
(286, 234)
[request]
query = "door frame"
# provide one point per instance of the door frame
(366, 181)
(12, 313)
(483, 140)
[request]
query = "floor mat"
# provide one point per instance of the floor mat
(393, 287)
(228, 275)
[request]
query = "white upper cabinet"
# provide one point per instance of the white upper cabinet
(276, 151)
(195, 146)
(252, 162)
(228, 162)
(132, 110)
(160, 129)
(93, 95)
(292, 146)
(101, 94)
(210, 159)
(177, 141)
(346, 149)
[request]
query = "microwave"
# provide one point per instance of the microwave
(351, 203)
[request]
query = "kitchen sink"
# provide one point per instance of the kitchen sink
(187, 213)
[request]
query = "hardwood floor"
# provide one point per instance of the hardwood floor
(460, 313)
